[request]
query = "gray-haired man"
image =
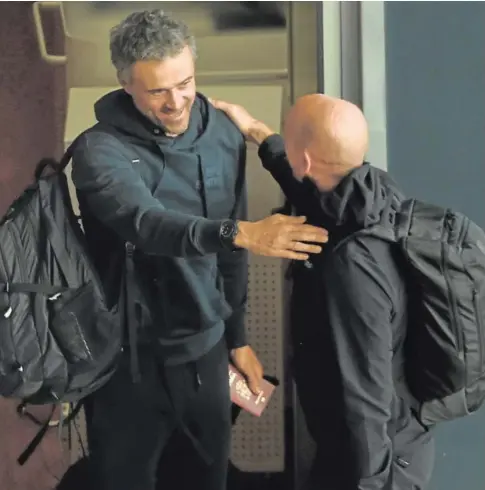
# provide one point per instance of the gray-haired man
(164, 170)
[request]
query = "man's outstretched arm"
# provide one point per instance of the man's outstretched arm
(117, 195)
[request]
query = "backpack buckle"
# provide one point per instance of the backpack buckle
(130, 249)
(8, 311)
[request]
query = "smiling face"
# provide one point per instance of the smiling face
(164, 91)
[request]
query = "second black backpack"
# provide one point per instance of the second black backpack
(445, 358)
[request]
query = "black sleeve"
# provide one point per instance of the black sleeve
(234, 270)
(273, 157)
(118, 197)
(360, 312)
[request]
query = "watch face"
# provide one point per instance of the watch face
(228, 230)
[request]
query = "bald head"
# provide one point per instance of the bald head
(325, 137)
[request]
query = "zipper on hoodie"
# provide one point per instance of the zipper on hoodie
(201, 188)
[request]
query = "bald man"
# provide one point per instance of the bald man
(349, 304)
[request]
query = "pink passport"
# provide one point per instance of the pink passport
(242, 396)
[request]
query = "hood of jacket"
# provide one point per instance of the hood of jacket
(116, 109)
(360, 200)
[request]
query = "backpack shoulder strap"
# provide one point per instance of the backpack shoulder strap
(128, 286)
(57, 167)
(66, 158)
(68, 154)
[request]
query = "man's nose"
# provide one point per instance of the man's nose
(175, 101)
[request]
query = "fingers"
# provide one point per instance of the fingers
(299, 232)
(254, 381)
(307, 233)
(290, 220)
(288, 254)
(284, 253)
(286, 237)
(218, 104)
(305, 247)
(295, 251)
(254, 386)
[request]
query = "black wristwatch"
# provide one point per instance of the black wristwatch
(228, 233)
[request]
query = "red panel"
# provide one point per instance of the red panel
(32, 97)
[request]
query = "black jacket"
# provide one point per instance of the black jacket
(168, 196)
(349, 322)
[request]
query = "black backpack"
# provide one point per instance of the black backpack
(58, 340)
(445, 351)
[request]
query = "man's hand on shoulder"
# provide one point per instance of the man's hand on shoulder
(253, 130)
(247, 362)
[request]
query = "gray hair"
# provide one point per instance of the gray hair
(147, 35)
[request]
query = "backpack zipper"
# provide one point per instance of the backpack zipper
(7, 314)
(478, 314)
(451, 296)
(18, 244)
(462, 233)
(8, 311)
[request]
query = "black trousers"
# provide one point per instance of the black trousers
(130, 425)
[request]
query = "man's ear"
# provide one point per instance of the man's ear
(126, 86)
(307, 163)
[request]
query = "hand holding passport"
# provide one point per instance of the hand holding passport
(242, 396)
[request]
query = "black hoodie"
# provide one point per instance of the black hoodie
(349, 321)
(169, 197)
